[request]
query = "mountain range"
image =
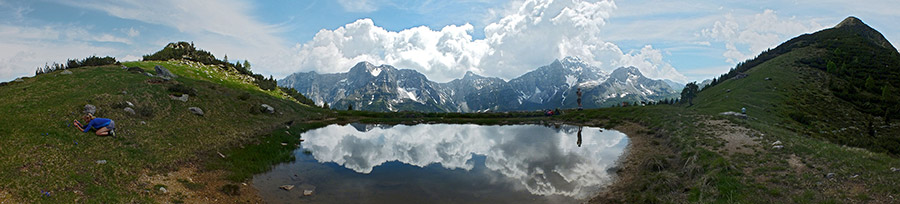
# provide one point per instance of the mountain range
(386, 88)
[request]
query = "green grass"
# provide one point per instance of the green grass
(207, 73)
(51, 155)
(274, 148)
(793, 107)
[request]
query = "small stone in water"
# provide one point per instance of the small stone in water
(287, 187)
(307, 192)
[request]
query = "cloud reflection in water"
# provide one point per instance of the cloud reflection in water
(546, 161)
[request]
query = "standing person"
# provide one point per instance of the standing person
(579, 98)
(104, 126)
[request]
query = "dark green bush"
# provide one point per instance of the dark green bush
(144, 111)
(799, 117)
(244, 96)
(298, 96)
(181, 88)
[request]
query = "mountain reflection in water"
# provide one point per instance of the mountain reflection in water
(568, 161)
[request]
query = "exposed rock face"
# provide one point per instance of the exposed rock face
(164, 73)
(267, 108)
(90, 109)
(196, 111)
(182, 98)
(385, 88)
(129, 110)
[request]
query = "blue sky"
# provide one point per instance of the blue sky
(683, 41)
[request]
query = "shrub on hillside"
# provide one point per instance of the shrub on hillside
(144, 111)
(799, 117)
(244, 96)
(73, 63)
(181, 88)
(298, 96)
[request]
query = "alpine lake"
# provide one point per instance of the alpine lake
(446, 163)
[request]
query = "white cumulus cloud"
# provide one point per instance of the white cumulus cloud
(219, 26)
(530, 33)
(756, 33)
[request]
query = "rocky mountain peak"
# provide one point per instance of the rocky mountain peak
(472, 75)
(628, 70)
(850, 21)
(572, 60)
(625, 73)
(855, 25)
(366, 67)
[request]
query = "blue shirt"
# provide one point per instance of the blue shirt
(96, 123)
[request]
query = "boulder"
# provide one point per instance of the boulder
(732, 113)
(196, 111)
(148, 74)
(183, 98)
(129, 110)
(164, 73)
(129, 103)
(135, 69)
(90, 109)
(267, 108)
(65, 72)
(307, 189)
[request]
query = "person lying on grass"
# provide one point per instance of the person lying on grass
(104, 126)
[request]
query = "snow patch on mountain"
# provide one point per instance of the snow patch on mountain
(571, 80)
(404, 94)
(375, 71)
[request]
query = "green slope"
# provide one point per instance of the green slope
(837, 105)
(41, 151)
(833, 148)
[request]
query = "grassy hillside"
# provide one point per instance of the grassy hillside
(801, 143)
(42, 152)
(812, 134)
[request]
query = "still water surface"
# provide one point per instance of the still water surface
(446, 163)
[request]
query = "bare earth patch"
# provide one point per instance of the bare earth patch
(737, 139)
(190, 185)
(641, 146)
(5, 198)
(796, 163)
